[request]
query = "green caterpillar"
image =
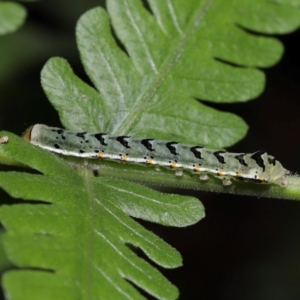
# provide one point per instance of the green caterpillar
(257, 167)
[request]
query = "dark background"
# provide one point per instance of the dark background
(246, 247)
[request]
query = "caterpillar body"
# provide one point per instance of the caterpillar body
(258, 167)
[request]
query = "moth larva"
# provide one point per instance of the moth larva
(257, 167)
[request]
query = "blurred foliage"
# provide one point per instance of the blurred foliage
(12, 16)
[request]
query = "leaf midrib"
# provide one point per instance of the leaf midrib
(134, 113)
(90, 249)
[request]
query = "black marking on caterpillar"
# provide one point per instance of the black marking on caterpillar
(101, 138)
(172, 147)
(196, 152)
(240, 158)
(272, 160)
(257, 156)
(147, 143)
(59, 131)
(81, 134)
(219, 156)
(123, 140)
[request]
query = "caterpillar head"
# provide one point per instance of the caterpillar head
(31, 134)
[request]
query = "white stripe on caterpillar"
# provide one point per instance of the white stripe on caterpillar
(258, 167)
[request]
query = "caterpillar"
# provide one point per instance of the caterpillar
(258, 167)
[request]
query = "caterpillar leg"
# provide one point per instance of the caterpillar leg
(179, 173)
(226, 181)
(203, 177)
(284, 182)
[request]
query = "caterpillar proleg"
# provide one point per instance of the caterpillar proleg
(258, 167)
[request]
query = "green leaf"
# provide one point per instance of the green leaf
(4, 261)
(172, 57)
(80, 233)
(12, 17)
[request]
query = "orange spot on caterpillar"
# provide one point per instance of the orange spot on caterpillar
(100, 155)
(239, 174)
(149, 161)
(219, 173)
(124, 158)
(173, 165)
(197, 169)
